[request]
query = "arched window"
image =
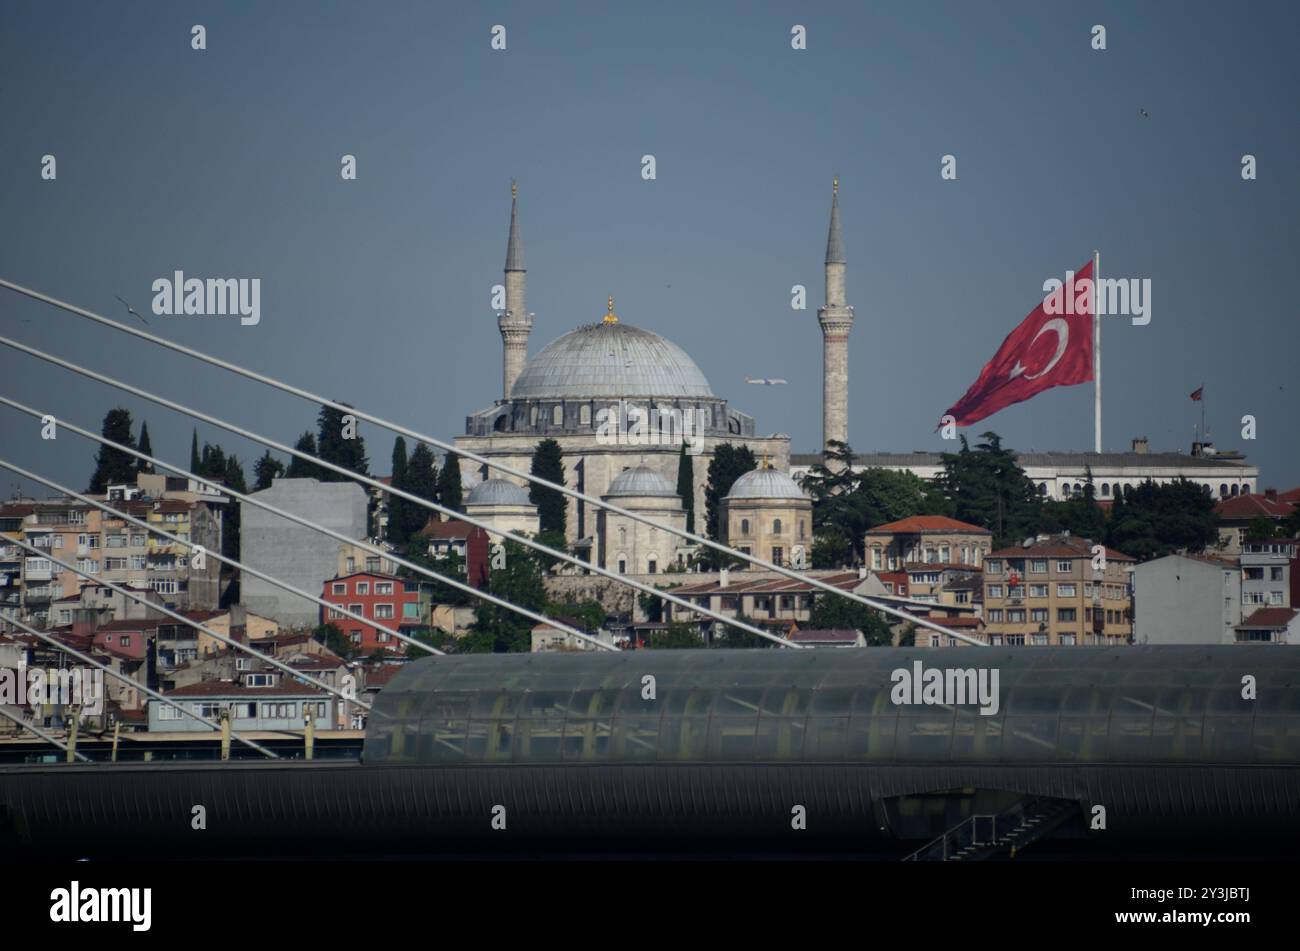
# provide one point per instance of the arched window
(622, 566)
(744, 526)
(1042, 488)
(557, 415)
(1223, 490)
(584, 415)
(1105, 490)
(652, 564)
(532, 416)
(1234, 490)
(622, 535)
(801, 528)
(1078, 489)
(776, 527)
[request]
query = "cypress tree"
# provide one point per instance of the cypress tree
(194, 452)
(266, 470)
(304, 468)
(449, 487)
(114, 466)
(686, 486)
(145, 447)
(548, 463)
(397, 519)
(421, 481)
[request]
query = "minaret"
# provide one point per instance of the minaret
(836, 319)
(515, 322)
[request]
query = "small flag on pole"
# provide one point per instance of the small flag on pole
(1196, 394)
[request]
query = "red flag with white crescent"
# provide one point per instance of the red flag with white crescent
(1046, 350)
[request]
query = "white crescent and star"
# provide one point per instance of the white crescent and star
(1062, 330)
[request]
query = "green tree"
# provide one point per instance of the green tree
(686, 486)
(986, 487)
(422, 482)
(831, 612)
(266, 470)
(451, 566)
(1154, 520)
(728, 636)
(497, 629)
(146, 447)
(441, 640)
(113, 466)
(300, 468)
(676, 636)
(728, 464)
(548, 463)
(194, 451)
(398, 521)
(449, 487)
(337, 441)
(334, 640)
(1079, 514)
(1261, 529)
(590, 615)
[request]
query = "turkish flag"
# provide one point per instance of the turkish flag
(1046, 350)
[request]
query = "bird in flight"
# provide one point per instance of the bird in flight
(762, 382)
(1143, 113)
(131, 310)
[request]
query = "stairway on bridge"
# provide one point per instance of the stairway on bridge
(1001, 836)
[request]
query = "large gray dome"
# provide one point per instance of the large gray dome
(497, 492)
(640, 481)
(610, 359)
(766, 484)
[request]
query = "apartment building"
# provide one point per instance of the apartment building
(1057, 590)
(385, 599)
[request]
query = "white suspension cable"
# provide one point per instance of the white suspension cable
(230, 642)
(468, 454)
(87, 659)
(34, 729)
(104, 507)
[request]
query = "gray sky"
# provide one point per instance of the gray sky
(225, 163)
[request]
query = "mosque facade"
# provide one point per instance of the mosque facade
(617, 397)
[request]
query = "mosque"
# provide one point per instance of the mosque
(620, 400)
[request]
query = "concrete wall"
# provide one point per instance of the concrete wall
(293, 553)
(1181, 600)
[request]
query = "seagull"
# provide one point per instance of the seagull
(1143, 113)
(761, 382)
(130, 310)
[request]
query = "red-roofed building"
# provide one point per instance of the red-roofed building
(1270, 626)
(1236, 515)
(926, 539)
(468, 542)
(385, 599)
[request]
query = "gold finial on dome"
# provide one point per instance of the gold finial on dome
(835, 186)
(610, 316)
(514, 189)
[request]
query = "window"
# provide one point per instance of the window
(993, 566)
(363, 587)
(1038, 615)
(357, 609)
(209, 710)
(1016, 616)
(995, 615)
(651, 566)
(352, 564)
(1016, 639)
(1067, 638)
(776, 527)
(1065, 590)
(876, 559)
(744, 526)
(1064, 567)
(383, 587)
(372, 563)
(259, 680)
(340, 588)
(335, 614)
(557, 415)
(1275, 598)
(115, 541)
(584, 415)
(1038, 567)
(383, 637)
(383, 611)
(778, 555)
(945, 553)
(802, 532)
(137, 541)
(622, 566)
(279, 711)
(995, 591)
(1067, 614)
(410, 609)
(1038, 639)
(166, 712)
(1038, 590)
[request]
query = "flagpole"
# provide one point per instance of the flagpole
(1096, 351)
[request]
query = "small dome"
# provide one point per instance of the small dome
(766, 484)
(640, 481)
(497, 492)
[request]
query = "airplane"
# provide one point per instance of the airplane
(762, 382)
